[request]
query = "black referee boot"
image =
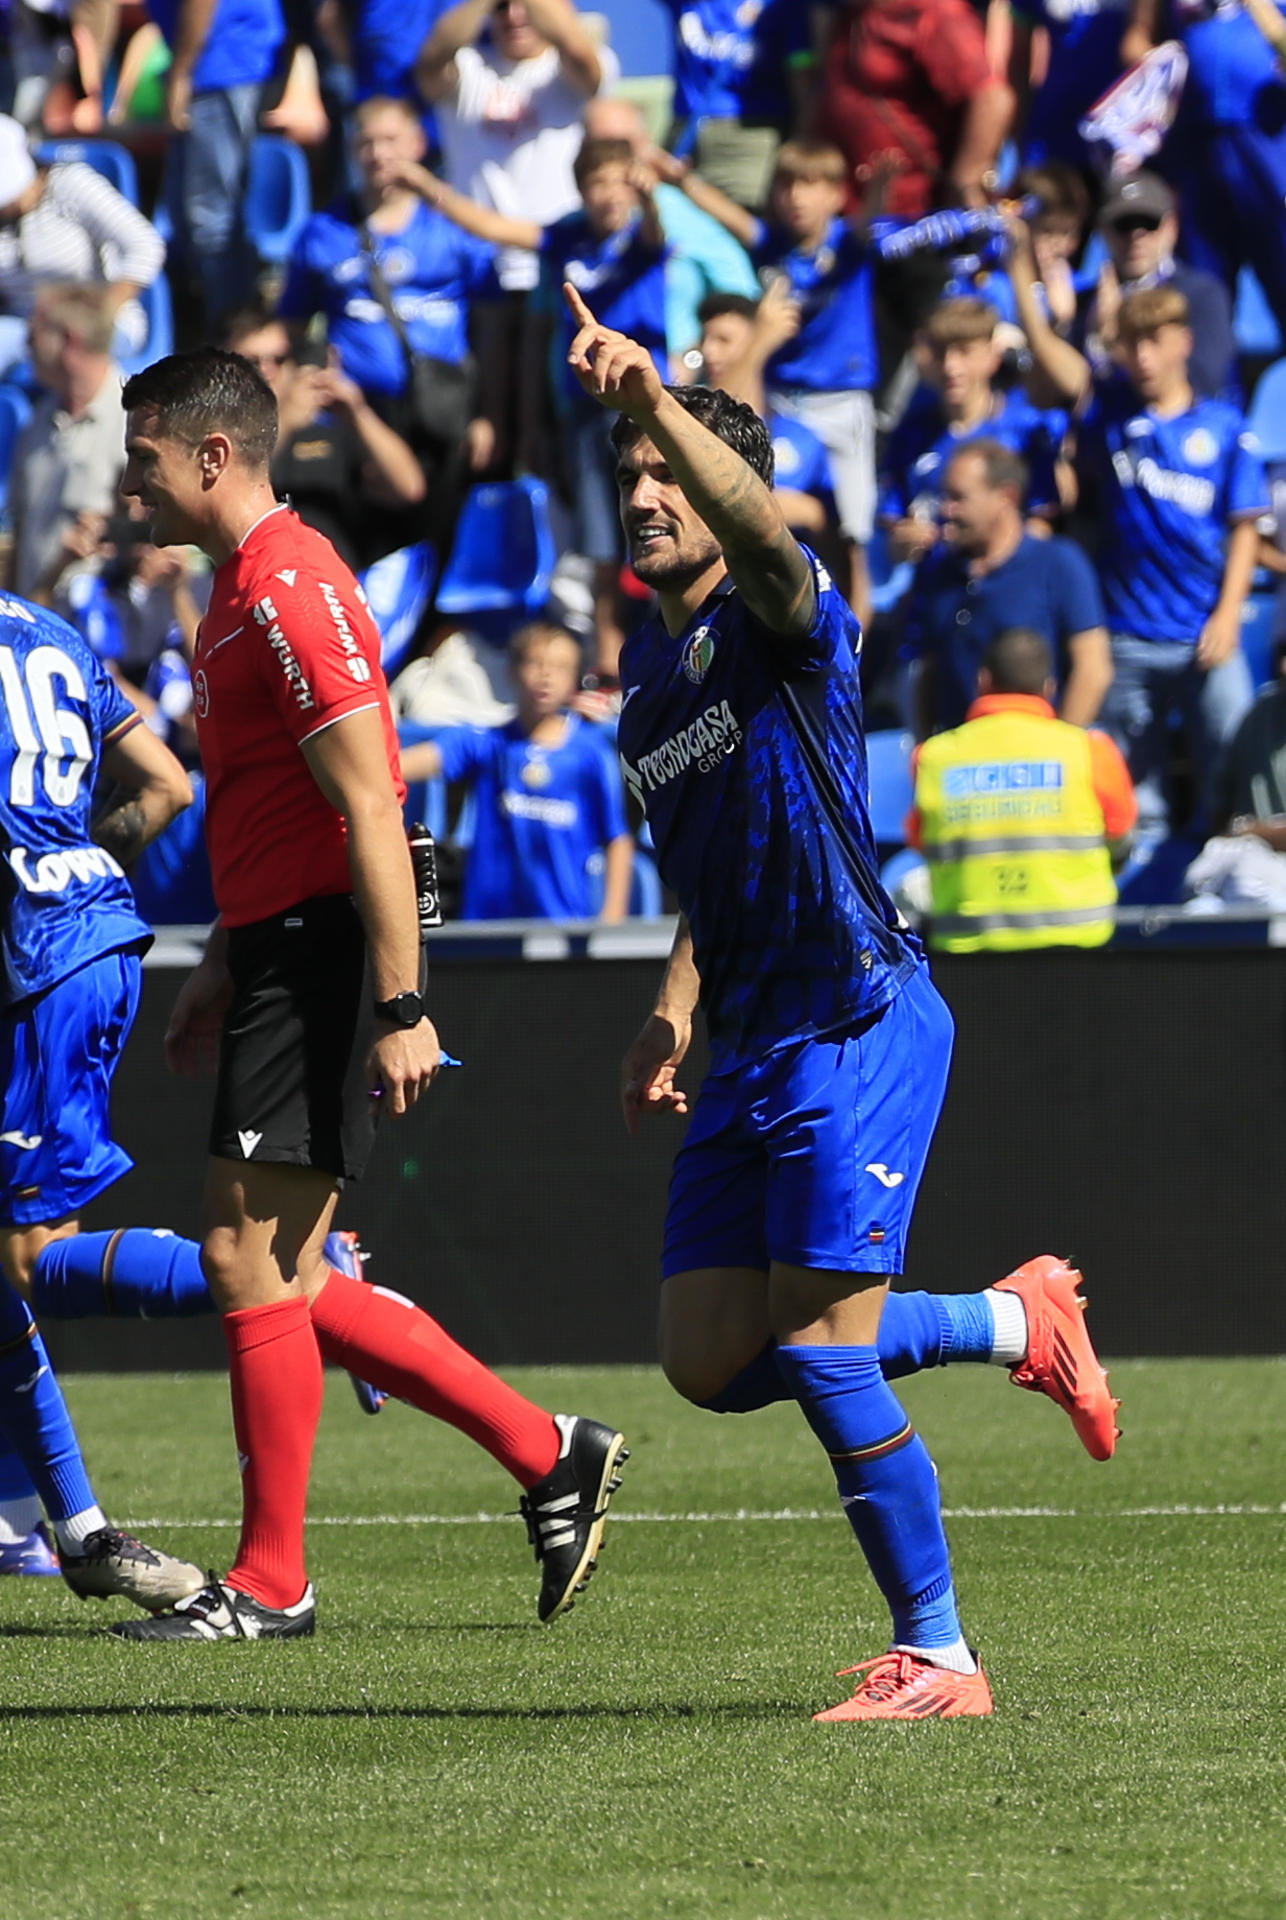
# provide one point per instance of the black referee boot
(567, 1511)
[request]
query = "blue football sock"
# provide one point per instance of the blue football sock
(143, 1271)
(930, 1329)
(886, 1482)
(33, 1414)
(758, 1385)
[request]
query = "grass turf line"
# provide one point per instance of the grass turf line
(436, 1751)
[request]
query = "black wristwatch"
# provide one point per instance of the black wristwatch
(403, 1010)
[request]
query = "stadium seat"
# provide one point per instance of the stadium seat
(15, 411)
(1254, 322)
(114, 162)
(504, 554)
(890, 578)
(397, 587)
(159, 311)
(888, 761)
(278, 197)
(1267, 419)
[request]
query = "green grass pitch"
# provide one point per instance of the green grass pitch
(435, 1751)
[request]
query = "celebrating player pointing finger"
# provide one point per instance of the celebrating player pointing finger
(741, 736)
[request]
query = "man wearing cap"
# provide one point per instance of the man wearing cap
(1140, 225)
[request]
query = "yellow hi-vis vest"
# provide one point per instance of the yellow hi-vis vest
(1013, 833)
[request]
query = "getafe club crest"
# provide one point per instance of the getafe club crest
(697, 656)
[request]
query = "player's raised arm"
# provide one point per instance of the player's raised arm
(765, 560)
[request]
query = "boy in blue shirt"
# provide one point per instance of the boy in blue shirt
(551, 840)
(1180, 488)
(615, 251)
(959, 358)
(737, 336)
(824, 374)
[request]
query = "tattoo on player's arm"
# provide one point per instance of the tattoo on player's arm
(121, 828)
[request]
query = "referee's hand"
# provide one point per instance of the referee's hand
(402, 1064)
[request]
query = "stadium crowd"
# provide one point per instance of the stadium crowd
(977, 270)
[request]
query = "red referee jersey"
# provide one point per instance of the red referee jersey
(287, 648)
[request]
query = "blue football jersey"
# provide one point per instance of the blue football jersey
(747, 753)
(544, 815)
(433, 271)
(922, 446)
(621, 276)
(1169, 488)
(66, 901)
(834, 350)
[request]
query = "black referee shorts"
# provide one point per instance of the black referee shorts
(292, 1086)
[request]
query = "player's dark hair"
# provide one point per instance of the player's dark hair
(1019, 660)
(209, 391)
(715, 305)
(729, 420)
(1001, 465)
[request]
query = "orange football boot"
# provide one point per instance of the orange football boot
(902, 1686)
(1061, 1360)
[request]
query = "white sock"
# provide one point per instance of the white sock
(956, 1657)
(73, 1533)
(19, 1518)
(1009, 1316)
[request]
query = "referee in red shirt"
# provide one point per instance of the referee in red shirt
(310, 990)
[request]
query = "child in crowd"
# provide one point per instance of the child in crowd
(550, 839)
(959, 355)
(614, 251)
(1179, 488)
(738, 336)
(824, 374)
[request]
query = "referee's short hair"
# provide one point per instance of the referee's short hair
(209, 391)
(729, 420)
(1019, 660)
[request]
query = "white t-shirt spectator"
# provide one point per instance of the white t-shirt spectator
(510, 132)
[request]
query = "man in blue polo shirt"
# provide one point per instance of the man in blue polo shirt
(223, 56)
(1179, 488)
(987, 576)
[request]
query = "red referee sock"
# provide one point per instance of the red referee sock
(386, 1339)
(276, 1403)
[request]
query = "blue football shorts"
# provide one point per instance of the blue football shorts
(58, 1053)
(813, 1154)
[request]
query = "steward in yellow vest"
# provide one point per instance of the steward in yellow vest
(1016, 813)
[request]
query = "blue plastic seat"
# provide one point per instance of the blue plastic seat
(114, 162)
(278, 198)
(397, 587)
(15, 411)
(1267, 420)
(158, 310)
(888, 760)
(504, 554)
(1254, 323)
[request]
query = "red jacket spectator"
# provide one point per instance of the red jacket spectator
(912, 77)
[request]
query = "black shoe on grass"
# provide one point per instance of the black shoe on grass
(565, 1514)
(221, 1613)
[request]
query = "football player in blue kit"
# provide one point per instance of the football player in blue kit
(741, 734)
(72, 943)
